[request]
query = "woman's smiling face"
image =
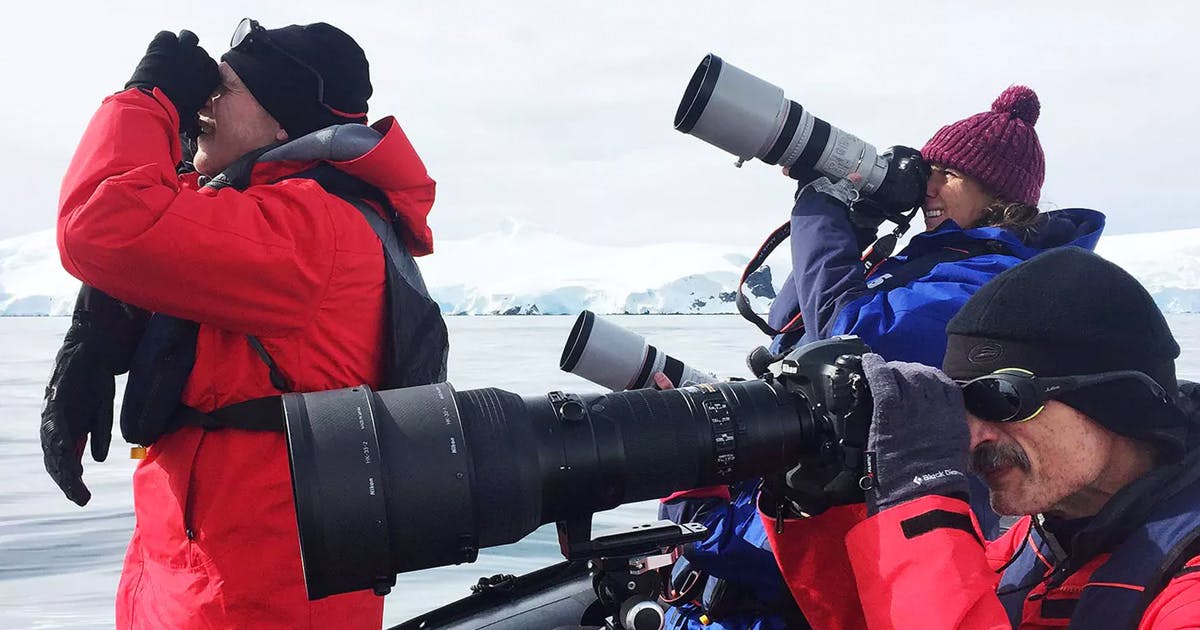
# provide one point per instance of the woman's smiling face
(951, 194)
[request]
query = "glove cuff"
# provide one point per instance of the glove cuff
(878, 501)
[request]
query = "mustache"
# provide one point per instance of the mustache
(990, 456)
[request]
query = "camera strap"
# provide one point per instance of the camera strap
(876, 254)
(256, 414)
(879, 251)
(776, 237)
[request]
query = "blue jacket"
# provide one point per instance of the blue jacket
(906, 322)
(752, 594)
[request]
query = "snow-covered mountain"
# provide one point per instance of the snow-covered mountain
(518, 271)
(32, 280)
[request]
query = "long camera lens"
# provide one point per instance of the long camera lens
(618, 358)
(734, 110)
(400, 480)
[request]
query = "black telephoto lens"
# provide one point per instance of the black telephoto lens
(401, 480)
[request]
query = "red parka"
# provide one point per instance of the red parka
(850, 572)
(215, 544)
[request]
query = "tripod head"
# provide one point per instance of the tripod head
(624, 565)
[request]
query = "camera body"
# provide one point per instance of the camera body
(828, 374)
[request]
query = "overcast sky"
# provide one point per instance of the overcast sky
(557, 115)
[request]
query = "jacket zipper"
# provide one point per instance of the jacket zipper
(187, 501)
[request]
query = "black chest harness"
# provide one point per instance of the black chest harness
(416, 341)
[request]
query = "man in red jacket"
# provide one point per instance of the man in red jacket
(1066, 403)
(274, 269)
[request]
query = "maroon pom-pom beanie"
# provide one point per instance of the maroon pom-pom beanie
(998, 147)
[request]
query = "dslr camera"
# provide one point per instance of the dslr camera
(407, 479)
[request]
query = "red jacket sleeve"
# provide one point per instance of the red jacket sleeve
(249, 262)
(917, 567)
(811, 553)
(1178, 606)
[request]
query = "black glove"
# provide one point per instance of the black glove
(903, 188)
(919, 440)
(79, 397)
(182, 70)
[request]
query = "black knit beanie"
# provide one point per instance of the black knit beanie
(274, 71)
(1070, 312)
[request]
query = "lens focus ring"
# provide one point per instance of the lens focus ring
(724, 440)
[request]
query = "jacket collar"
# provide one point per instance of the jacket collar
(1079, 227)
(1129, 508)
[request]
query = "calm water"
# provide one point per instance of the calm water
(59, 564)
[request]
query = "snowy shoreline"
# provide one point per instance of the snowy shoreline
(524, 272)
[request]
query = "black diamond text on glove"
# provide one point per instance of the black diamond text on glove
(919, 440)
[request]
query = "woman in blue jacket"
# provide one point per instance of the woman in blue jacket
(980, 206)
(981, 217)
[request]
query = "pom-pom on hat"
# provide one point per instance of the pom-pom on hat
(998, 147)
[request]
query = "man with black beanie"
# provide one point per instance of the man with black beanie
(264, 275)
(1064, 400)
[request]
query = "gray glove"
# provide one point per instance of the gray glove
(842, 190)
(919, 441)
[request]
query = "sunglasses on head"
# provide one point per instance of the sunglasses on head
(249, 32)
(1016, 395)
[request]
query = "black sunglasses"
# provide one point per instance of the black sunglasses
(249, 32)
(1016, 395)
